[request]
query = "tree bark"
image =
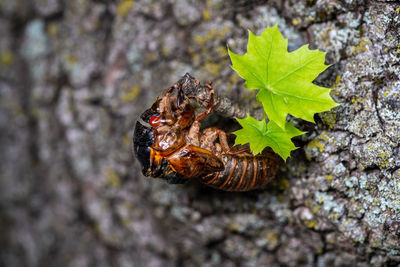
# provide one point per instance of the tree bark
(75, 76)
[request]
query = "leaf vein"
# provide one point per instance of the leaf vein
(295, 70)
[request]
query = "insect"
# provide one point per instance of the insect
(170, 144)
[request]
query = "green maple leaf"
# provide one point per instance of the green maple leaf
(261, 135)
(284, 79)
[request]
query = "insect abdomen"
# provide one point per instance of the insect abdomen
(244, 173)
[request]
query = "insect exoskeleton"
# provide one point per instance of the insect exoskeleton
(170, 144)
(244, 172)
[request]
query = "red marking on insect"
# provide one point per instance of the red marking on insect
(155, 121)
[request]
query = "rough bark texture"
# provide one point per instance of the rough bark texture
(75, 75)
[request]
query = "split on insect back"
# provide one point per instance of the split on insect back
(170, 143)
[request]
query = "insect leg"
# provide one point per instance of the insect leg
(210, 103)
(193, 135)
(165, 106)
(225, 146)
(208, 138)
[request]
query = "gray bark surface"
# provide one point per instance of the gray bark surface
(74, 77)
